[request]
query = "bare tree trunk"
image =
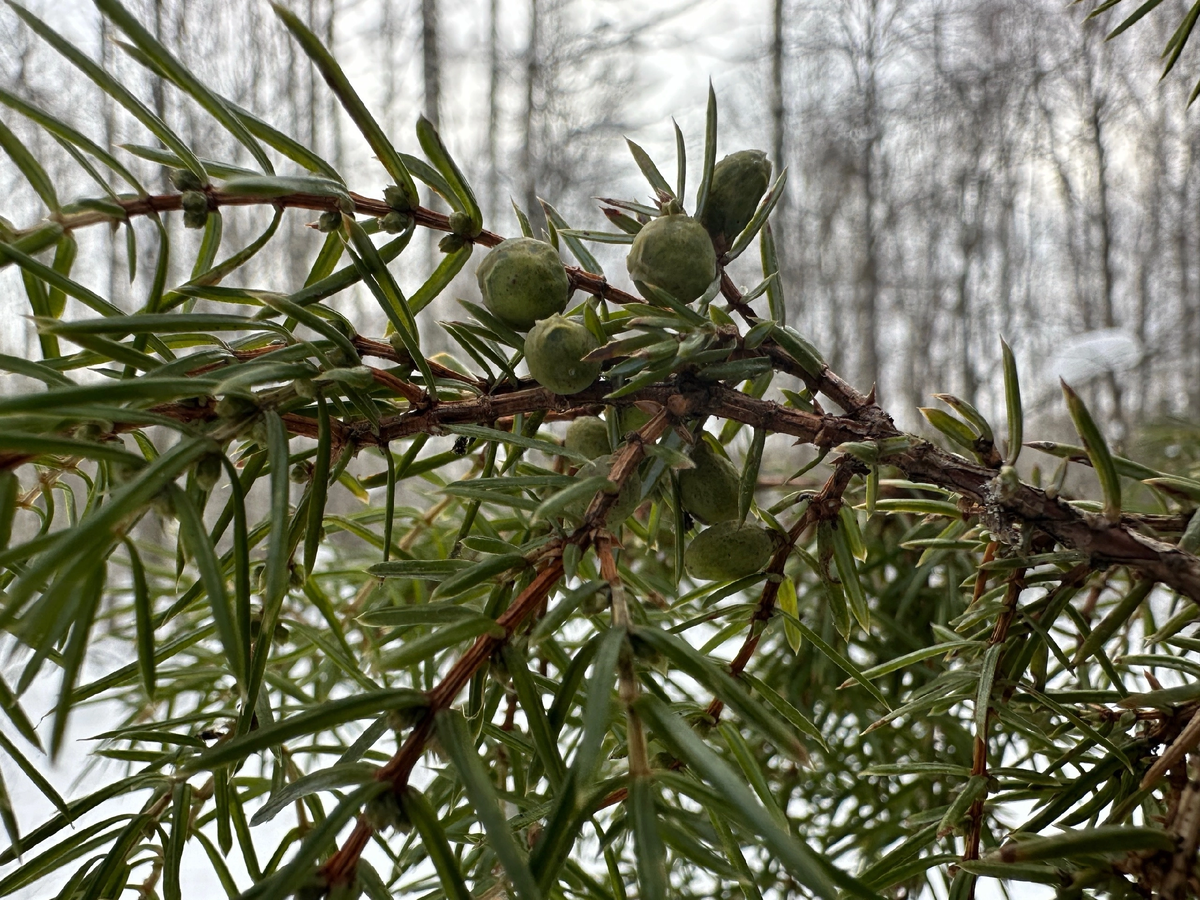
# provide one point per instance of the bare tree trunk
(333, 118)
(778, 124)
(431, 72)
(493, 132)
(963, 312)
(1145, 266)
(430, 63)
(777, 107)
(312, 83)
(1191, 361)
(1150, 259)
(1005, 230)
(389, 33)
(1070, 205)
(922, 318)
(1107, 311)
(832, 299)
(529, 176)
(1189, 356)
(868, 280)
(1183, 260)
(1006, 188)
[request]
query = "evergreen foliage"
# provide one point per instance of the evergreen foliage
(363, 591)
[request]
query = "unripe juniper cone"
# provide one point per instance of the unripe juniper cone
(632, 418)
(554, 350)
(710, 490)
(626, 502)
(738, 183)
(675, 254)
(523, 280)
(588, 435)
(728, 550)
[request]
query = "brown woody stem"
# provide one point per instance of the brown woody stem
(639, 760)
(340, 867)
(979, 766)
(1026, 506)
(685, 394)
(824, 506)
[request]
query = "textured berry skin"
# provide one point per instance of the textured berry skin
(626, 502)
(673, 253)
(727, 551)
(523, 280)
(710, 490)
(738, 183)
(554, 350)
(588, 435)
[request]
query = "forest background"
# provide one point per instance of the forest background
(957, 171)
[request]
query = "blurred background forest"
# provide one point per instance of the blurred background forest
(958, 171)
